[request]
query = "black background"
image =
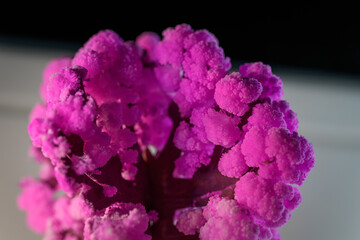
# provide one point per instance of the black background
(309, 37)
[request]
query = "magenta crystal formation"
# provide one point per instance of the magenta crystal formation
(157, 139)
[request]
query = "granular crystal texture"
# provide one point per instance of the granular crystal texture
(159, 139)
(119, 221)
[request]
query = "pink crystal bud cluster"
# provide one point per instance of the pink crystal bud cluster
(158, 139)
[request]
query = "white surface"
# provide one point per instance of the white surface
(329, 116)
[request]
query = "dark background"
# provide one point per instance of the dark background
(309, 37)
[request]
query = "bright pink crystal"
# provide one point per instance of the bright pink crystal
(228, 220)
(158, 139)
(119, 221)
(234, 93)
(189, 220)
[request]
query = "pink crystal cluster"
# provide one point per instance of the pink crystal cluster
(122, 124)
